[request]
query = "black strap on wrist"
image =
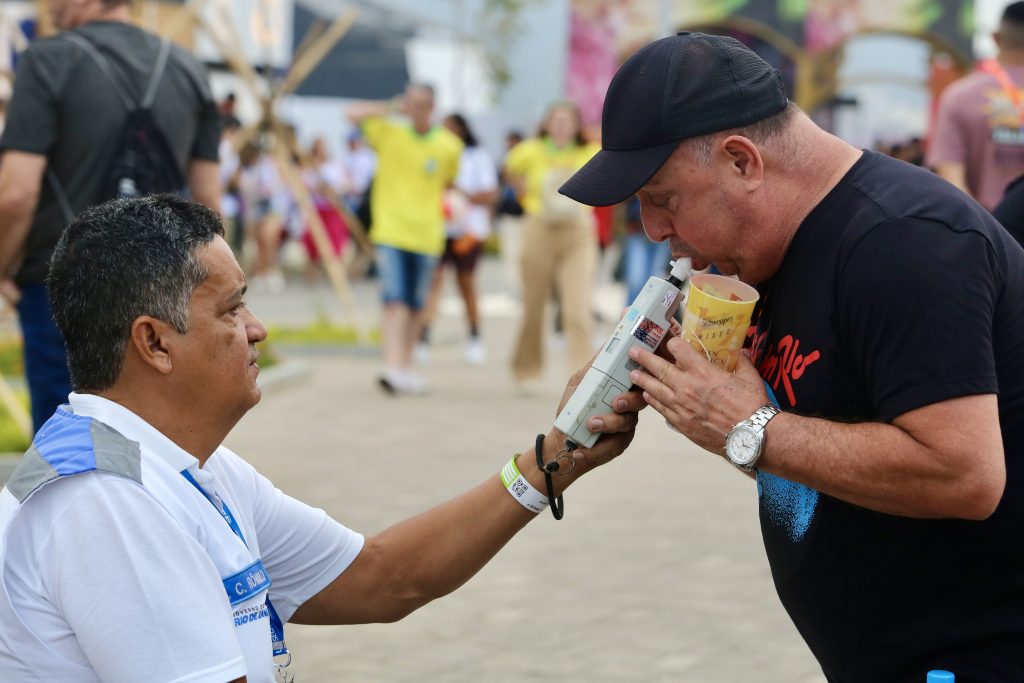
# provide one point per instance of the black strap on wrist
(557, 506)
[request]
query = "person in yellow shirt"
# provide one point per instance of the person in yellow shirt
(416, 162)
(559, 248)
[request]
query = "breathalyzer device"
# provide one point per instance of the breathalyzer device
(645, 323)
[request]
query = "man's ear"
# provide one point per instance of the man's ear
(150, 340)
(745, 158)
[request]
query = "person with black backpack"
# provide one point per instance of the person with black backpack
(104, 109)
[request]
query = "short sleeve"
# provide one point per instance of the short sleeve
(206, 145)
(518, 160)
(374, 129)
(454, 160)
(948, 141)
(32, 114)
(135, 589)
(302, 548)
(916, 313)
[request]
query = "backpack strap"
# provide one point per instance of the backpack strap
(58, 193)
(104, 65)
(154, 80)
(122, 93)
(158, 72)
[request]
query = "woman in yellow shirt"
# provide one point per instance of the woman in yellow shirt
(559, 248)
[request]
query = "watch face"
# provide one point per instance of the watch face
(742, 445)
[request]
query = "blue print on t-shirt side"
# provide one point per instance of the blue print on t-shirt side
(788, 505)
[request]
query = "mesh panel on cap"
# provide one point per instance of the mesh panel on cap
(715, 83)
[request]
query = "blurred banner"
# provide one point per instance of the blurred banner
(789, 34)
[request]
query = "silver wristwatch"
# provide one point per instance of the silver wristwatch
(744, 443)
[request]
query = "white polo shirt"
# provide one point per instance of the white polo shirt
(106, 579)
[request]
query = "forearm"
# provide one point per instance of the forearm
(359, 111)
(944, 459)
(955, 173)
(485, 198)
(21, 176)
(204, 183)
(434, 553)
(15, 221)
(874, 465)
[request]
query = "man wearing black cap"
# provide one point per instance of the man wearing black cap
(891, 306)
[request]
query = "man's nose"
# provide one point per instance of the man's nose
(255, 328)
(657, 226)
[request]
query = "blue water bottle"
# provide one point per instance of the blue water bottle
(939, 676)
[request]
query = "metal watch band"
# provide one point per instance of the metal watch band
(758, 421)
(762, 415)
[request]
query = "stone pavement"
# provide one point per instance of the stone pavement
(656, 574)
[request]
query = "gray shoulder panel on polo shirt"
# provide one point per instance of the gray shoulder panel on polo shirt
(112, 453)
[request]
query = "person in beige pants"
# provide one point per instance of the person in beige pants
(559, 252)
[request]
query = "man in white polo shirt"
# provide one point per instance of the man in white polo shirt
(133, 546)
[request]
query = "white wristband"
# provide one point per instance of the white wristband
(521, 489)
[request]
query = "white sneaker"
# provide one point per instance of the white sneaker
(411, 383)
(475, 352)
(275, 282)
(391, 382)
(421, 353)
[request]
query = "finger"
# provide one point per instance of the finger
(686, 356)
(613, 423)
(658, 406)
(645, 381)
(631, 401)
(606, 449)
(658, 367)
(745, 368)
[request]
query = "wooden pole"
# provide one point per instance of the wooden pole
(332, 264)
(186, 18)
(316, 51)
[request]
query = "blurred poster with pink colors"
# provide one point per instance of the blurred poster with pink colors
(603, 33)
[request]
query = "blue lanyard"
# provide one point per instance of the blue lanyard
(251, 579)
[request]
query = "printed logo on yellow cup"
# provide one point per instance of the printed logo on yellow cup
(717, 316)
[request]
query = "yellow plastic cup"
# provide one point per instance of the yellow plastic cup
(717, 316)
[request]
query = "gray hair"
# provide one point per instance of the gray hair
(120, 260)
(765, 131)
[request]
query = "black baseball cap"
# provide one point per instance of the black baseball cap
(675, 88)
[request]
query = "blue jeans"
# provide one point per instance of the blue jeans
(642, 259)
(404, 276)
(46, 366)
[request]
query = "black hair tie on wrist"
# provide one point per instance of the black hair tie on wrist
(557, 506)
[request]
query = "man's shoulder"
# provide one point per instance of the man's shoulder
(888, 191)
(229, 465)
(51, 53)
(525, 151)
(452, 143)
(967, 89)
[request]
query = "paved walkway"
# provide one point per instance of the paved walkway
(656, 574)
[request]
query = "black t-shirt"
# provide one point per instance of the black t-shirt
(897, 292)
(1010, 210)
(64, 107)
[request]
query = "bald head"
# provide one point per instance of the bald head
(68, 14)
